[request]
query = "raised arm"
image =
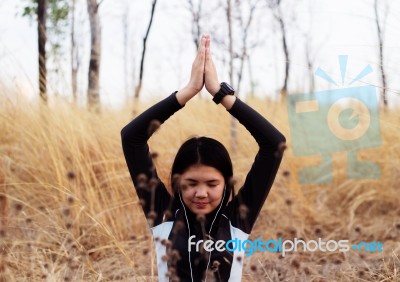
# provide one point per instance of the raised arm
(245, 207)
(248, 202)
(134, 138)
(151, 191)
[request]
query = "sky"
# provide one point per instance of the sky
(334, 28)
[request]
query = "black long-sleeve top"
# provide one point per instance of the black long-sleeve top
(251, 195)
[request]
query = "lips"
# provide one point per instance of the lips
(200, 205)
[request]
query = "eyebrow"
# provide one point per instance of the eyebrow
(195, 180)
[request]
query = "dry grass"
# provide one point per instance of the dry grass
(68, 210)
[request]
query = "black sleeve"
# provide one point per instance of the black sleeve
(246, 205)
(151, 191)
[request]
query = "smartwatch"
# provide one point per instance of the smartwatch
(225, 89)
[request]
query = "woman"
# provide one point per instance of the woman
(201, 177)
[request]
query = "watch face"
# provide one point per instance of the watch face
(229, 87)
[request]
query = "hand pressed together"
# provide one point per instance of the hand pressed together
(203, 71)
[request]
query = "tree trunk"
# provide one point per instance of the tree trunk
(381, 61)
(286, 53)
(139, 86)
(196, 28)
(125, 26)
(41, 19)
(309, 66)
(95, 55)
(230, 38)
(74, 56)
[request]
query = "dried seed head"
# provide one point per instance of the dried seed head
(307, 271)
(28, 220)
(153, 183)
(153, 126)
(239, 258)
(141, 178)
(154, 155)
(165, 242)
(322, 261)
(175, 255)
(152, 215)
(281, 148)
(66, 211)
(293, 231)
(71, 175)
(142, 202)
(215, 265)
(318, 232)
(3, 200)
(2, 233)
(175, 181)
(132, 237)
(279, 234)
(286, 173)
(142, 181)
(172, 269)
(398, 226)
(68, 225)
(167, 214)
(289, 202)
(232, 181)
(179, 225)
(18, 207)
(295, 263)
(175, 279)
(69, 241)
(337, 261)
(243, 211)
(201, 218)
(253, 267)
(168, 244)
(145, 251)
(70, 200)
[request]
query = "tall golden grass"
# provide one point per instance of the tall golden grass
(69, 212)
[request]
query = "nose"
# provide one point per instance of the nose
(201, 191)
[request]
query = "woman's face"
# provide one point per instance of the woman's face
(202, 188)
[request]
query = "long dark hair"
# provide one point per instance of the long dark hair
(206, 151)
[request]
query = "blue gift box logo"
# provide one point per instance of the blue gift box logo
(344, 119)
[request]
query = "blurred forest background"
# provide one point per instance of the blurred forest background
(68, 210)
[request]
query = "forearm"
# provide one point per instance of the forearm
(228, 101)
(185, 94)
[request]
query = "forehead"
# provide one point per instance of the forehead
(202, 172)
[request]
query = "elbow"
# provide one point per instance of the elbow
(280, 145)
(123, 134)
(281, 138)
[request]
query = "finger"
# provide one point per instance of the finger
(201, 56)
(201, 42)
(201, 49)
(208, 40)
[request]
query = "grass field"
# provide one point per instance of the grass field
(69, 212)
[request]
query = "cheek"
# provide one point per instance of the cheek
(187, 195)
(217, 193)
